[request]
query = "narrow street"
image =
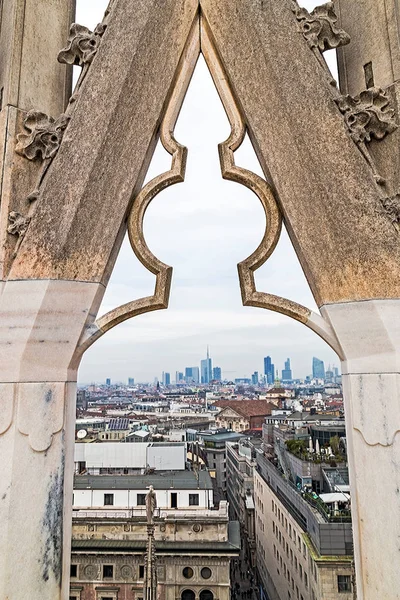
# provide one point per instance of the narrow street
(243, 579)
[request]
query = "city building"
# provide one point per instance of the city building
(304, 543)
(179, 377)
(81, 400)
(166, 378)
(192, 375)
(206, 369)
(269, 370)
(240, 465)
(108, 381)
(217, 375)
(242, 415)
(194, 541)
(131, 381)
(254, 378)
(303, 550)
(318, 368)
(287, 371)
(213, 447)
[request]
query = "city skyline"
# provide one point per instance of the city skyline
(193, 374)
(202, 228)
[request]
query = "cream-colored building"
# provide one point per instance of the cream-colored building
(194, 542)
(300, 554)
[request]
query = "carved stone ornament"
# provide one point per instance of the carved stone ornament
(18, 224)
(392, 207)
(82, 45)
(44, 137)
(368, 115)
(320, 27)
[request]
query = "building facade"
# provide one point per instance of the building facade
(301, 553)
(194, 548)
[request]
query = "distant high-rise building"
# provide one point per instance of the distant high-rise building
(269, 369)
(192, 375)
(179, 377)
(131, 381)
(254, 378)
(167, 379)
(206, 369)
(108, 381)
(217, 374)
(287, 371)
(318, 368)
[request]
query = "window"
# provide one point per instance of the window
(344, 583)
(141, 500)
(206, 573)
(188, 572)
(193, 499)
(73, 571)
(108, 572)
(108, 499)
(174, 500)
(106, 598)
(141, 571)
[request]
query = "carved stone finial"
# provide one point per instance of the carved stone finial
(368, 115)
(44, 137)
(18, 224)
(82, 45)
(392, 207)
(320, 27)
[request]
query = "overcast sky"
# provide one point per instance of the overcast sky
(202, 228)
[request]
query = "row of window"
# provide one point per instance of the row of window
(205, 572)
(141, 500)
(107, 571)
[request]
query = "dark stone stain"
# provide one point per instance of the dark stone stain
(52, 527)
(4, 496)
(49, 396)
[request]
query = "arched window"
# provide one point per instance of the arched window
(188, 595)
(206, 595)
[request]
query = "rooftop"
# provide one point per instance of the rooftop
(247, 408)
(164, 480)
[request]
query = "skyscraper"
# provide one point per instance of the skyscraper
(166, 378)
(108, 381)
(269, 369)
(318, 368)
(192, 375)
(179, 377)
(217, 375)
(131, 381)
(287, 371)
(254, 378)
(206, 369)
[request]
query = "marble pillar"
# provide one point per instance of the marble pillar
(369, 333)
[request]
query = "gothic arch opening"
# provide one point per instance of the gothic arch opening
(188, 595)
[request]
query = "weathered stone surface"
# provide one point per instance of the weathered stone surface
(108, 143)
(18, 177)
(374, 31)
(37, 506)
(41, 323)
(32, 33)
(369, 333)
(331, 204)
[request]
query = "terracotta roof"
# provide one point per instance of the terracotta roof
(247, 408)
(276, 391)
